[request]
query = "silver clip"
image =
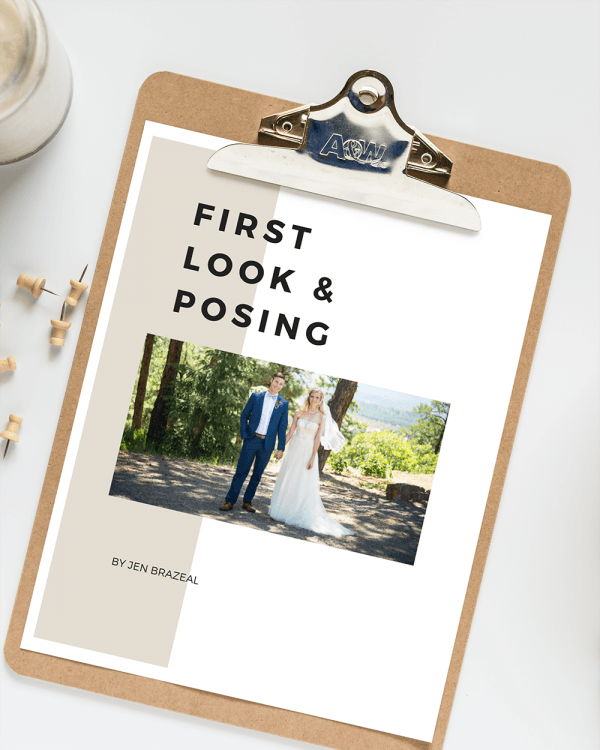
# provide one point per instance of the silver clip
(355, 148)
(288, 130)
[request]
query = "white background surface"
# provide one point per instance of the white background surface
(516, 77)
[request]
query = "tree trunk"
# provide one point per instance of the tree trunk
(160, 415)
(339, 403)
(138, 407)
(439, 440)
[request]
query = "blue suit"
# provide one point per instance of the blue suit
(254, 449)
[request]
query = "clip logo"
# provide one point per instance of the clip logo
(353, 150)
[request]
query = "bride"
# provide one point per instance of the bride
(296, 498)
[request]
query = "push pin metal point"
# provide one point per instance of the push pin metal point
(77, 289)
(10, 434)
(35, 286)
(8, 364)
(59, 327)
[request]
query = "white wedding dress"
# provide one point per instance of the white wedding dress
(296, 498)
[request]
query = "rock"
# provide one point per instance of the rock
(409, 493)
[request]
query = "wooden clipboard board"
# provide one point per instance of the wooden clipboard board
(235, 114)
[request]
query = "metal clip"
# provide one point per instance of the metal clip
(355, 148)
(289, 130)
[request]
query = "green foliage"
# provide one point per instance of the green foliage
(205, 405)
(380, 453)
(426, 458)
(133, 440)
(429, 429)
(375, 465)
(206, 400)
(212, 387)
(339, 462)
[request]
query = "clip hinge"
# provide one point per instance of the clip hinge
(285, 128)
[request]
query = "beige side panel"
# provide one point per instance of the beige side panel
(88, 601)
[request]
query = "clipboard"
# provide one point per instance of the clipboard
(234, 114)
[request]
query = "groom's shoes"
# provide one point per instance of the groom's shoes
(248, 506)
(226, 506)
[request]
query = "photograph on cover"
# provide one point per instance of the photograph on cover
(281, 449)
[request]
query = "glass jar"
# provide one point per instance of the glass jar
(36, 85)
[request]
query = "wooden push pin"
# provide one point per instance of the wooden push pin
(11, 432)
(77, 288)
(35, 286)
(59, 327)
(8, 364)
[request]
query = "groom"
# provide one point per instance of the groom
(264, 418)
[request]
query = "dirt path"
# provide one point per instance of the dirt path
(382, 528)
